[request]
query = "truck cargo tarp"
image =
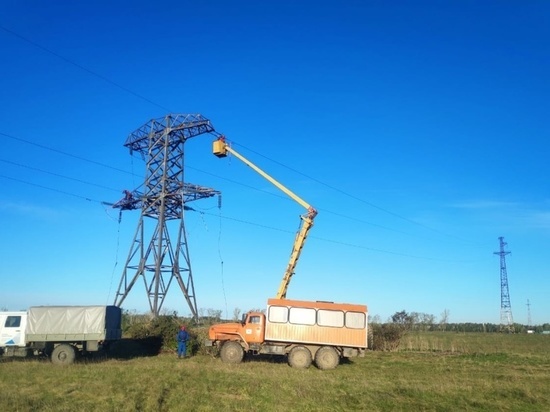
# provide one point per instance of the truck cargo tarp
(72, 319)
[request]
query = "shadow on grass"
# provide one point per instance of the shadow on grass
(123, 349)
(278, 359)
(265, 358)
(134, 348)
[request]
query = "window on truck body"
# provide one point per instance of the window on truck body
(13, 322)
(356, 320)
(332, 318)
(302, 316)
(278, 314)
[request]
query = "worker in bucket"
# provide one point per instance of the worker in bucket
(182, 338)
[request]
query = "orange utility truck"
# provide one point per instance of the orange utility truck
(302, 330)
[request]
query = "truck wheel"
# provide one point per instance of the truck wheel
(63, 354)
(231, 352)
(299, 357)
(327, 358)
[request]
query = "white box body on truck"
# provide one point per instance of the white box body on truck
(59, 332)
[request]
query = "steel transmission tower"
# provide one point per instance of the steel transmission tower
(159, 252)
(506, 319)
(528, 313)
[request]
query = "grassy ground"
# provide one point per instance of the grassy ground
(431, 372)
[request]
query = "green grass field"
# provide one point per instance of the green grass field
(431, 372)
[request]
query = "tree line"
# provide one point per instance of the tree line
(424, 322)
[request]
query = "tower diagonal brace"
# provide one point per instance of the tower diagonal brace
(142, 263)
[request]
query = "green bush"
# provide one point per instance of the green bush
(165, 328)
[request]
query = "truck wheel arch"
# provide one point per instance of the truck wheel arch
(231, 337)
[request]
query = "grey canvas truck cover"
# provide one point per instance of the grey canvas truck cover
(73, 323)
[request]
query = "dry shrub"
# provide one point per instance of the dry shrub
(387, 336)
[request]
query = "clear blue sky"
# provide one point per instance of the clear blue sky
(419, 130)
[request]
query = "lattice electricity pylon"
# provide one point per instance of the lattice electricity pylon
(506, 319)
(157, 259)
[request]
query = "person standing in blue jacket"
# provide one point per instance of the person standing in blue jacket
(182, 338)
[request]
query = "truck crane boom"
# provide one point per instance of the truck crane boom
(220, 149)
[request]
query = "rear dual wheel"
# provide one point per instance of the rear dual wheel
(299, 357)
(327, 358)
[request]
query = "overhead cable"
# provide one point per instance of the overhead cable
(93, 73)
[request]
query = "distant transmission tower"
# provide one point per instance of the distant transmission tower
(159, 252)
(506, 319)
(528, 313)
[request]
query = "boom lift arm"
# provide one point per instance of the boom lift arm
(220, 149)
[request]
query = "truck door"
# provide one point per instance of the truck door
(254, 328)
(13, 330)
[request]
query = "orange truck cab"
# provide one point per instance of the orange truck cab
(302, 330)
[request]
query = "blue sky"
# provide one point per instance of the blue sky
(417, 129)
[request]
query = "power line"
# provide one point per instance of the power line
(187, 166)
(59, 175)
(235, 220)
(81, 67)
(106, 79)
(240, 221)
(190, 167)
(50, 188)
(327, 240)
(353, 196)
(286, 198)
(51, 149)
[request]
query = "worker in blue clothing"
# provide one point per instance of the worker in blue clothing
(182, 338)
